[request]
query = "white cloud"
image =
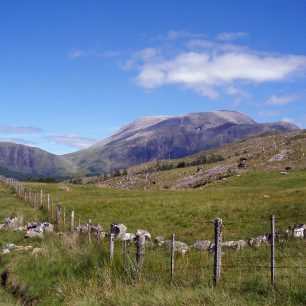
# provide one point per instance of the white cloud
(78, 53)
(19, 129)
(72, 141)
(281, 100)
(229, 36)
(205, 72)
(268, 113)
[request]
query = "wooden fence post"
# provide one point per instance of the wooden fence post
(217, 257)
(64, 217)
(111, 246)
(272, 250)
(172, 257)
(79, 220)
(89, 225)
(140, 253)
(72, 221)
(58, 214)
(125, 254)
(41, 200)
(48, 204)
(51, 210)
(34, 198)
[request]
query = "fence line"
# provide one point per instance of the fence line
(45, 202)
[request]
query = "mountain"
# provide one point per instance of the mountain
(145, 139)
(23, 161)
(150, 138)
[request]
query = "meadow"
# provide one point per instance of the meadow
(76, 272)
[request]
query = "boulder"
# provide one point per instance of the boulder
(143, 232)
(258, 241)
(9, 246)
(159, 241)
(119, 230)
(127, 237)
(201, 245)
(234, 245)
(40, 227)
(12, 222)
(299, 230)
(179, 247)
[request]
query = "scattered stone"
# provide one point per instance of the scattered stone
(127, 237)
(234, 245)
(12, 222)
(143, 232)
(202, 178)
(201, 245)
(159, 241)
(179, 246)
(119, 230)
(9, 246)
(282, 155)
(258, 241)
(5, 251)
(299, 230)
(242, 163)
(17, 248)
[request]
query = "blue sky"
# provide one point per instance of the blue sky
(73, 72)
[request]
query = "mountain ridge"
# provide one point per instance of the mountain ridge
(146, 138)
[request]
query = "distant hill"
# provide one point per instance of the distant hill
(151, 138)
(145, 139)
(23, 161)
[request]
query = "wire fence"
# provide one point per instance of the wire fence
(275, 257)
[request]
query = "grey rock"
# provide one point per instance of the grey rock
(179, 247)
(119, 230)
(12, 222)
(201, 245)
(159, 241)
(143, 232)
(258, 241)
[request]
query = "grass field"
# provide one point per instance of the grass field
(74, 272)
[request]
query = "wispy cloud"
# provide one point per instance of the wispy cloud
(229, 36)
(281, 100)
(72, 141)
(19, 129)
(179, 34)
(17, 140)
(268, 113)
(78, 53)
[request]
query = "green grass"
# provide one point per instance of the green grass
(76, 273)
